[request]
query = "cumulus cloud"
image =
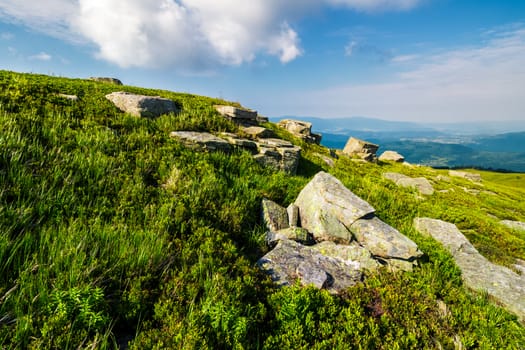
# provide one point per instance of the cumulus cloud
(42, 56)
(184, 33)
(469, 84)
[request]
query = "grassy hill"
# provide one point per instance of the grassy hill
(112, 235)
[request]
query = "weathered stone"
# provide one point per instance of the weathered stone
(258, 132)
(297, 234)
(68, 97)
(383, 240)
(142, 106)
(391, 156)
(352, 253)
(290, 261)
(201, 141)
(501, 283)
(327, 208)
(275, 143)
(419, 183)
(515, 225)
(328, 160)
(278, 154)
(274, 216)
(363, 149)
(238, 115)
(300, 129)
(466, 175)
(293, 215)
(239, 142)
(113, 81)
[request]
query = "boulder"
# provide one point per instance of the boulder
(274, 216)
(142, 106)
(363, 149)
(238, 115)
(278, 154)
(258, 132)
(113, 81)
(290, 261)
(203, 141)
(239, 142)
(419, 183)
(515, 225)
(352, 253)
(465, 175)
(327, 208)
(297, 234)
(293, 215)
(501, 283)
(300, 129)
(391, 156)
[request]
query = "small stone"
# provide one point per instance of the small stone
(391, 156)
(274, 216)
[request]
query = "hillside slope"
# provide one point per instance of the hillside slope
(114, 235)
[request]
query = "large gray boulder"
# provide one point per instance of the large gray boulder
(501, 283)
(327, 208)
(363, 149)
(278, 154)
(240, 116)
(290, 261)
(202, 141)
(142, 106)
(419, 183)
(391, 156)
(300, 129)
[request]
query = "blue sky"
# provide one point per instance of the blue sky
(411, 60)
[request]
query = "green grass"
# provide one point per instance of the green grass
(112, 233)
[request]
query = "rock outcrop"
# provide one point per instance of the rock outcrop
(344, 239)
(142, 106)
(419, 183)
(278, 154)
(515, 225)
(113, 81)
(300, 129)
(363, 149)
(501, 283)
(391, 156)
(465, 175)
(201, 141)
(240, 116)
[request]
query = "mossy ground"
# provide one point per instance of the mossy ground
(111, 233)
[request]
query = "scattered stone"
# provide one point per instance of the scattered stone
(420, 183)
(68, 97)
(328, 160)
(274, 216)
(238, 142)
(363, 149)
(391, 156)
(501, 283)
(297, 234)
(238, 115)
(352, 254)
(442, 178)
(300, 129)
(327, 208)
(383, 240)
(293, 215)
(113, 81)
(466, 175)
(142, 106)
(203, 141)
(290, 261)
(515, 225)
(258, 132)
(278, 154)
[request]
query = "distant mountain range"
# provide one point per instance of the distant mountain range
(497, 146)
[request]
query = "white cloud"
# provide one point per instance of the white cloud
(184, 33)
(470, 84)
(7, 36)
(350, 48)
(42, 56)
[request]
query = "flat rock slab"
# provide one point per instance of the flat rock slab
(466, 175)
(515, 225)
(352, 253)
(391, 156)
(257, 132)
(327, 208)
(201, 141)
(290, 261)
(383, 240)
(235, 113)
(419, 183)
(142, 106)
(501, 283)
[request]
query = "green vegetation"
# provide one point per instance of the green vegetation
(113, 234)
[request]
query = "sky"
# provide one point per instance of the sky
(404, 60)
